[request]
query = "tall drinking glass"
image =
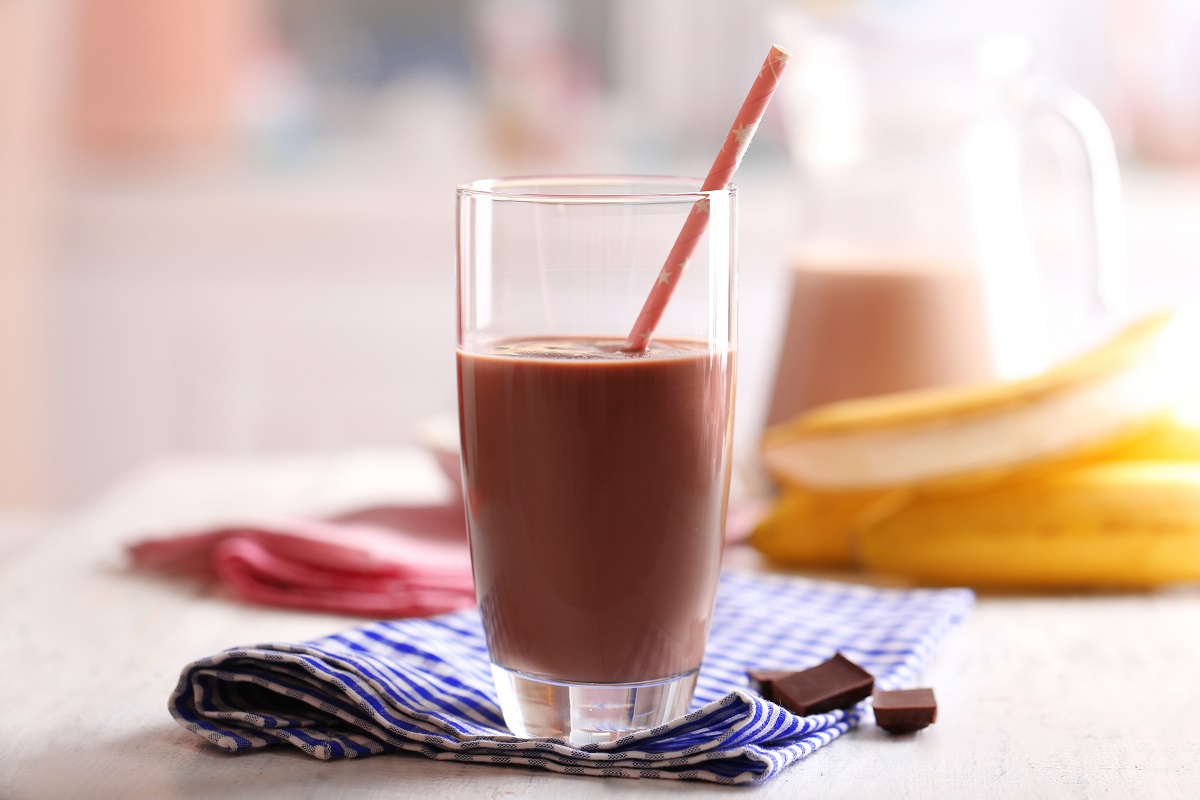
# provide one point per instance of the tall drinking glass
(596, 480)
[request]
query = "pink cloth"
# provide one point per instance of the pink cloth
(384, 562)
(404, 561)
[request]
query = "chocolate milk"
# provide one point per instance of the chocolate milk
(596, 485)
(874, 326)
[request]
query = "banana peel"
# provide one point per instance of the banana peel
(1091, 477)
(953, 439)
(836, 530)
(1174, 437)
(813, 529)
(1112, 524)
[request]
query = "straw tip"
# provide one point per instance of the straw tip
(778, 48)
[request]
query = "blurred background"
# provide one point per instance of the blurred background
(228, 226)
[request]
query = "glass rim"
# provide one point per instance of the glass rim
(506, 188)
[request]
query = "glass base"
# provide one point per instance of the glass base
(584, 713)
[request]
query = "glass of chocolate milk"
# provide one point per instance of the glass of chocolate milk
(596, 480)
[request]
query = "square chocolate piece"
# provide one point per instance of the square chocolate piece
(836, 683)
(905, 711)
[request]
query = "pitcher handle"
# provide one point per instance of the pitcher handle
(1071, 112)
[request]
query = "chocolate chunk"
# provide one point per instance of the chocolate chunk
(905, 711)
(836, 683)
(763, 680)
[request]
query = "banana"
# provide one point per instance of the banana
(955, 438)
(1175, 437)
(812, 529)
(1116, 523)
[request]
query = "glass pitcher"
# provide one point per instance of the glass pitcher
(915, 260)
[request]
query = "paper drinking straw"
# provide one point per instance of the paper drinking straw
(734, 147)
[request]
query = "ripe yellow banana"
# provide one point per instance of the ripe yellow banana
(1115, 523)
(1175, 437)
(969, 437)
(812, 529)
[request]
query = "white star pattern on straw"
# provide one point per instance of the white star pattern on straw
(744, 134)
(701, 206)
(781, 60)
(664, 277)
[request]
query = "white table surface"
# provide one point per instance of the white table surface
(1041, 697)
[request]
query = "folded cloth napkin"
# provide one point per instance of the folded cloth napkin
(425, 685)
(387, 562)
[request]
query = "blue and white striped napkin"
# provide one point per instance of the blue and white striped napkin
(425, 685)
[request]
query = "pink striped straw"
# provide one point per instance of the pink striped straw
(732, 150)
